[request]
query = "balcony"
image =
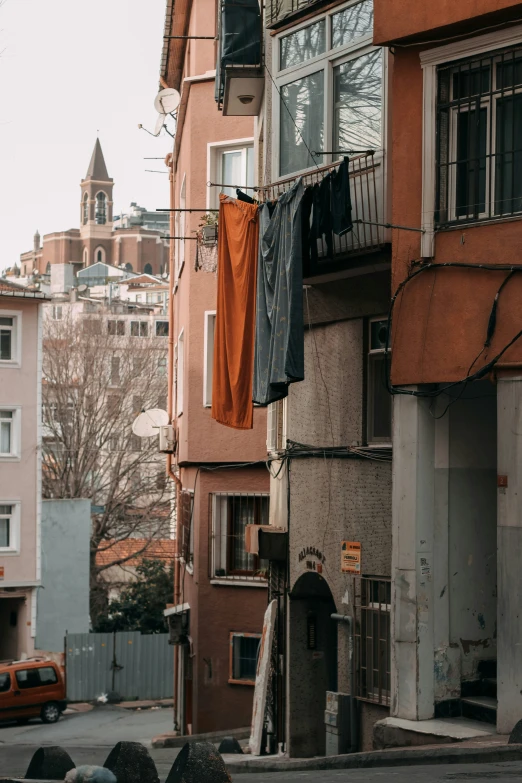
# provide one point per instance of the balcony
(278, 10)
(367, 195)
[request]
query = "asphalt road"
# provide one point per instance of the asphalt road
(88, 737)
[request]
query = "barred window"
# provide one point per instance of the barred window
(231, 513)
(479, 127)
(372, 639)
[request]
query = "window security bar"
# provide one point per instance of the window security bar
(238, 187)
(372, 639)
(206, 209)
(390, 225)
(192, 37)
(318, 154)
(479, 122)
(178, 237)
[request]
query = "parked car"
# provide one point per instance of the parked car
(31, 689)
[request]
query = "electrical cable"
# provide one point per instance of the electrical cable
(312, 156)
(511, 268)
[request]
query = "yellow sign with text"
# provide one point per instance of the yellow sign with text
(351, 557)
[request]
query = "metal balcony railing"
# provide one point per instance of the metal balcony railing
(367, 196)
(278, 9)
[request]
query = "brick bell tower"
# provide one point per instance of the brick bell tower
(96, 211)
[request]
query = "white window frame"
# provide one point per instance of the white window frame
(180, 372)
(15, 362)
(219, 540)
(14, 527)
(208, 354)
(57, 312)
(181, 227)
(16, 433)
(215, 152)
(138, 321)
(430, 60)
(161, 321)
(327, 61)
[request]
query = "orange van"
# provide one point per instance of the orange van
(31, 689)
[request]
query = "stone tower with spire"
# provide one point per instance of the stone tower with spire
(96, 211)
(135, 241)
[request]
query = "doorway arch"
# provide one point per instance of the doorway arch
(311, 665)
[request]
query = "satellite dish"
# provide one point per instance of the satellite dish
(167, 101)
(147, 423)
(82, 288)
(160, 122)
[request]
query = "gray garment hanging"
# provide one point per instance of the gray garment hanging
(279, 346)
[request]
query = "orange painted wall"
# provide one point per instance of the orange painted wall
(398, 19)
(441, 318)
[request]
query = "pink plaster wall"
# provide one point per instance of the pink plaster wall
(18, 479)
(201, 439)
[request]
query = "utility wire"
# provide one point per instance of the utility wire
(291, 115)
(481, 373)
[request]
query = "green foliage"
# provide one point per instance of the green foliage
(142, 602)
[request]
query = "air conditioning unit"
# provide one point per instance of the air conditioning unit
(178, 628)
(167, 439)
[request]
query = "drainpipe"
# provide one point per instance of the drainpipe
(169, 162)
(345, 618)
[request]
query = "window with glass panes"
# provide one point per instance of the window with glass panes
(6, 526)
(231, 514)
(232, 166)
(479, 125)
(330, 80)
(244, 649)
(7, 338)
(378, 407)
(6, 432)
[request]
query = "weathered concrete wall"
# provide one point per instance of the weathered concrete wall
(63, 601)
(509, 554)
(444, 527)
(473, 527)
(331, 500)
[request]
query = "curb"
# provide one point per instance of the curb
(385, 758)
(172, 741)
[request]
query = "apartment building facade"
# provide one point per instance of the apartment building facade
(20, 467)
(324, 106)
(455, 357)
(221, 478)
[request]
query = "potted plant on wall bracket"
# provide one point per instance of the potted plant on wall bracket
(207, 231)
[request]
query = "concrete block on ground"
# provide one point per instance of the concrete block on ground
(515, 738)
(131, 763)
(50, 763)
(198, 762)
(230, 745)
(172, 740)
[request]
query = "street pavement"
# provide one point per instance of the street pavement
(89, 736)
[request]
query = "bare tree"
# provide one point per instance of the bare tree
(96, 381)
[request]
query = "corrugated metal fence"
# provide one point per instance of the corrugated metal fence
(136, 666)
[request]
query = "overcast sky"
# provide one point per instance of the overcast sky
(67, 69)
